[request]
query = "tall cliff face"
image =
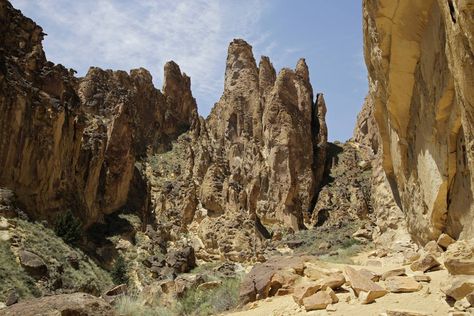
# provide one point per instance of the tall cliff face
(71, 142)
(257, 159)
(421, 71)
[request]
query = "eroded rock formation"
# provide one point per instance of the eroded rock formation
(71, 142)
(420, 60)
(256, 161)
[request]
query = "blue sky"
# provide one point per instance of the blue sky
(195, 33)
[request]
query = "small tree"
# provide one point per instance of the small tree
(68, 227)
(119, 271)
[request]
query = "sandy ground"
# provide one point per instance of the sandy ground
(429, 299)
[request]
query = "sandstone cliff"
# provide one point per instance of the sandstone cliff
(71, 142)
(420, 60)
(255, 162)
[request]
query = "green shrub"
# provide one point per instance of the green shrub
(68, 227)
(133, 305)
(119, 271)
(210, 302)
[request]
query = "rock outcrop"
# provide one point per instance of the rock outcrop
(258, 160)
(73, 142)
(420, 60)
(63, 304)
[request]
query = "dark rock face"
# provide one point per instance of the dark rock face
(69, 142)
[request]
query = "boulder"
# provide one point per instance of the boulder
(394, 272)
(361, 283)
(33, 264)
(305, 290)
(114, 293)
(444, 240)
(185, 282)
(11, 297)
(260, 283)
(425, 263)
(402, 284)
(319, 300)
(182, 260)
(458, 286)
(371, 275)
(459, 258)
(332, 294)
(470, 298)
(368, 297)
(433, 248)
(62, 304)
(332, 281)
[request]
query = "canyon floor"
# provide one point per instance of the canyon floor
(429, 300)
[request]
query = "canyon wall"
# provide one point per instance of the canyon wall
(419, 55)
(70, 142)
(111, 141)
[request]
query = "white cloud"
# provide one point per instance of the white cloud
(130, 34)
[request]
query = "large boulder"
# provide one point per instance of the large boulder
(426, 262)
(362, 284)
(458, 286)
(265, 279)
(79, 304)
(33, 264)
(402, 284)
(459, 258)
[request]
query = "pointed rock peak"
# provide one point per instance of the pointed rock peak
(266, 73)
(302, 69)
(240, 66)
(321, 105)
(174, 80)
(142, 75)
(238, 44)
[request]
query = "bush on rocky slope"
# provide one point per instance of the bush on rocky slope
(68, 269)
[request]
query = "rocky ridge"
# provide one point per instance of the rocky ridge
(73, 142)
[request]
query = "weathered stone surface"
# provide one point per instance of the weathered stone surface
(394, 272)
(33, 264)
(459, 258)
(444, 240)
(458, 286)
(319, 300)
(11, 297)
(433, 248)
(63, 304)
(371, 275)
(332, 281)
(404, 312)
(360, 283)
(425, 263)
(402, 284)
(265, 279)
(114, 293)
(422, 278)
(420, 84)
(79, 137)
(305, 290)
